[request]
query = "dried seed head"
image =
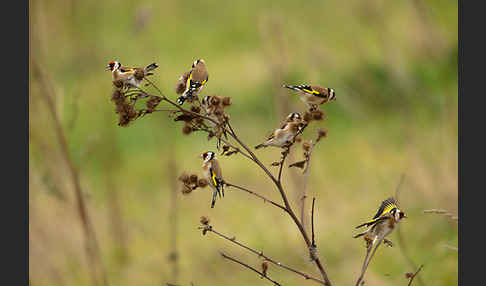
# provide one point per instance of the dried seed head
(204, 220)
(127, 113)
(307, 116)
(139, 74)
(195, 109)
(202, 183)
(408, 275)
(118, 83)
(180, 87)
(218, 112)
(186, 190)
(185, 76)
(191, 99)
(215, 100)
(306, 145)
(298, 139)
(226, 101)
(117, 95)
(186, 129)
(152, 103)
(186, 117)
(123, 121)
(264, 267)
(318, 115)
(181, 83)
(193, 179)
(199, 120)
(119, 107)
(184, 178)
(321, 133)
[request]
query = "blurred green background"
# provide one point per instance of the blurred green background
(393, 65)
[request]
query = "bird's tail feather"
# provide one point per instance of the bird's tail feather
(294, 87)
(213, 201)
(151, 66)
(189, 92)
(359, 234)
(363, 224)
(260, 146)
(181, 99)
(222, 186)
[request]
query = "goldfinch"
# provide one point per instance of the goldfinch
(212, 173)
(313, 95)
(196, 81)
(129, 76)
(282, 137)
(383, 223)
(214, 107)
(292, 117)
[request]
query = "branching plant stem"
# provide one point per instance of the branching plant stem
(260, 254)
(249, 267)
(255, 159)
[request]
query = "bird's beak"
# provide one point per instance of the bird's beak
(405, 216)
(108, 68)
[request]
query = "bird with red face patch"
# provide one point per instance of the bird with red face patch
(313, 95)
(284, 136)
(212, 173)
(383, 223)
(129, 76)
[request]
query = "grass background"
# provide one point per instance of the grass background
(393, 66)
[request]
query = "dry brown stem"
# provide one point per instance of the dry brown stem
(442, 212)
(255, 159)
(261, 254)
(367, 261)
(415, 274)
(249, 267)
(257, 195)
(91, 245)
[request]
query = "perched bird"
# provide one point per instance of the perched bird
(196, 81)
(383, 223)
(212, 173)
(214, 107)
(292, 117)
(282, 137)
(129, 76)
(313, 95)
